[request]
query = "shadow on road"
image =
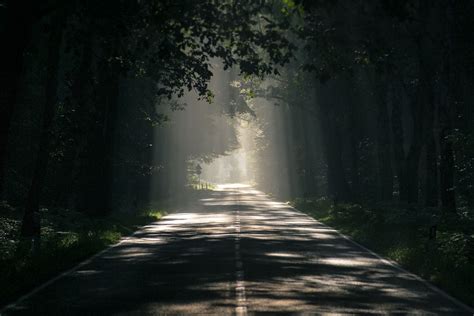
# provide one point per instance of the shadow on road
(184, 264)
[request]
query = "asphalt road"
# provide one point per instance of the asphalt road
(237, 252)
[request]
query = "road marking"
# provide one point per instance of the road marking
(241, 300)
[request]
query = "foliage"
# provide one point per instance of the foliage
(66, 234)
(403, 235)
(373, 108)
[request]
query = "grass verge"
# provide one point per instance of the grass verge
(403, 235)
(68, 237)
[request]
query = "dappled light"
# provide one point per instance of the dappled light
(290, 263)
(236, 157)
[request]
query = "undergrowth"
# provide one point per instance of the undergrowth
(403, 235)
(68, 237)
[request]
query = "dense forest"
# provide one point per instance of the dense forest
(362, 107)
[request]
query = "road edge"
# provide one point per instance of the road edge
(10, 306)
(394, 264)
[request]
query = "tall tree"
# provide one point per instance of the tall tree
(20, 17)
(31, 219)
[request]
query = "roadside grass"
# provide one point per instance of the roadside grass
(206, 186)
(403, 235)
(68, 237)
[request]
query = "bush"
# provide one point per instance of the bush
(65, 234)
(402, 234)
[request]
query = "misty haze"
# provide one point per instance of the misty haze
(236, 157)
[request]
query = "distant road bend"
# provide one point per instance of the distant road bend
(236, 253)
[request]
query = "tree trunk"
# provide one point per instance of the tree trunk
(431, 179)
(447, 111)
(354, 150)
(385, 173)
(447, 192)
(427, 104)
(337, 180)
(310, 182)
(80, 96)
(109, 140)
(16, 36)
(31, 220)
(397, 145)
(446, 165)
(410, 176)
(409, 180)
(97, 177)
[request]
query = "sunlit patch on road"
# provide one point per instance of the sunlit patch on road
(236, 252)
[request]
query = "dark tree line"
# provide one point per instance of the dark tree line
(374, 105)
(387, 95)
(81, 81)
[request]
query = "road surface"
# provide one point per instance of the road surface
(236, 252)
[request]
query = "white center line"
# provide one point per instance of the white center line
(241, 306)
